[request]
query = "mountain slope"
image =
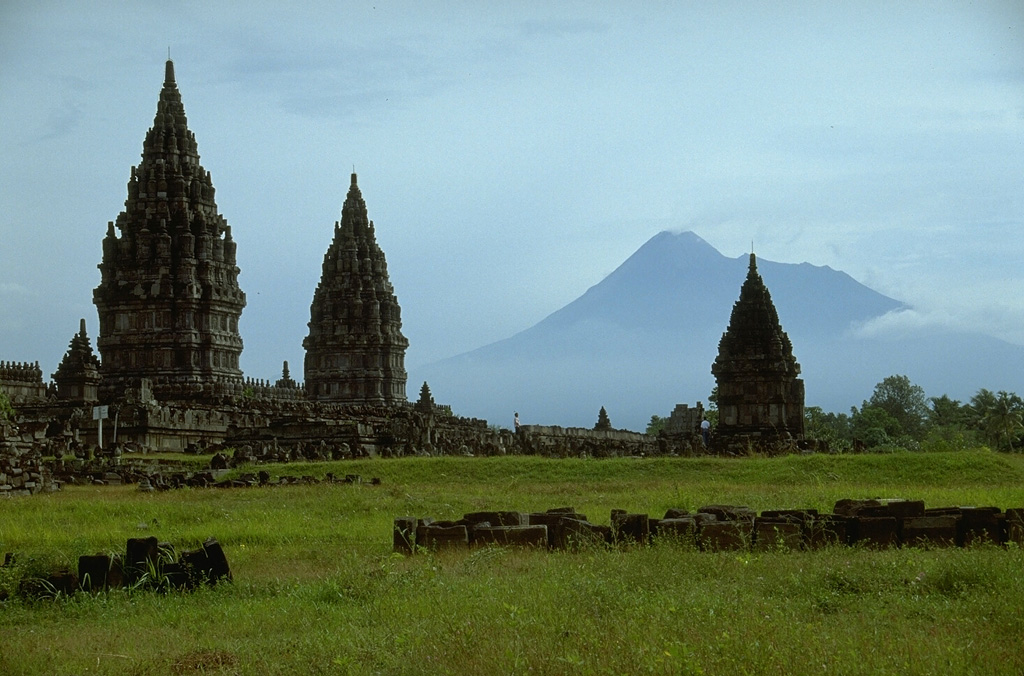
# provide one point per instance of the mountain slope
(644, 338)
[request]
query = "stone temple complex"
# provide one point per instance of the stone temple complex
(760, 397)
(167, 376)
(355, 350)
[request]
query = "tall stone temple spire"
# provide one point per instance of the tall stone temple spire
(355, 350)
(759, 393)
(168, 299)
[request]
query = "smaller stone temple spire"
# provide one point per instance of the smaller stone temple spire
(355, 350)
(78, 375)
(759, 393)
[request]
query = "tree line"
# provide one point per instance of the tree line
(899, 415)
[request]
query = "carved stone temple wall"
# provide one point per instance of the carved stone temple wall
(760, 397)
(168, 299)
(355, 350)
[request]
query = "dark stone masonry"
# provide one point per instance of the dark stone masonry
(355, 350)
(760, 397)
(168, 299)
(859, 523)
(146, 563)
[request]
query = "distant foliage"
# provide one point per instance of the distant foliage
(656, 425)
(1000, 418)
(6, 409)
(898, 416)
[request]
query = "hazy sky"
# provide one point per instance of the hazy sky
(512, 154)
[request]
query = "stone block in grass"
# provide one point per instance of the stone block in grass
(851, 507)
(801, 515)
(576, 533)
(902, 509)
(438, 538)
(404, 534)
(1015, 525)
(141, 555)
(825, 530)
(631, 528)
(876, 532)
(552, 521)
(774, 533)
(682, 529)
(510, 536)
(979, 525)
(930, 531)
(729, 512)
(724, 535)
(497, 518)
(100, 571)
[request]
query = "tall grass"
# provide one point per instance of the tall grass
(317, 589)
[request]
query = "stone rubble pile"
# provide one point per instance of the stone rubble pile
(22, 470)
(162, 475)
(864, 523)
(147, 563)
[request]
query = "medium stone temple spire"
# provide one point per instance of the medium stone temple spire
(355, 350)
(168, 299)
(759, 393)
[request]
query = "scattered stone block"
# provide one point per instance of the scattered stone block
(207, 565)
(93, 571)
(724, 535)
(825, 530)
(980, 525)
(849, 507)
(875, 531)
(576, 534)
(141, 555)
(439, 537)
(778, 533)
(682, 529)
(510, 536)
(497, 518)
(1015, 525)
(404, 534)
(801, 515)
(930, 531)
(631, 528)
(902, 509)
(729, 512)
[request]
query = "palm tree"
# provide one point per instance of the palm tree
(1002, 417)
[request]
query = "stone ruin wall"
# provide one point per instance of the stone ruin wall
(578, 442)
(22, 381)
(871, 524)
(22, 468)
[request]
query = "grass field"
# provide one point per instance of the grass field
(317, 589)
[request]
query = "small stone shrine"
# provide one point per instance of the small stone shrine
(760, 397)
(355, 350)
(78, 374)
(168, 299)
